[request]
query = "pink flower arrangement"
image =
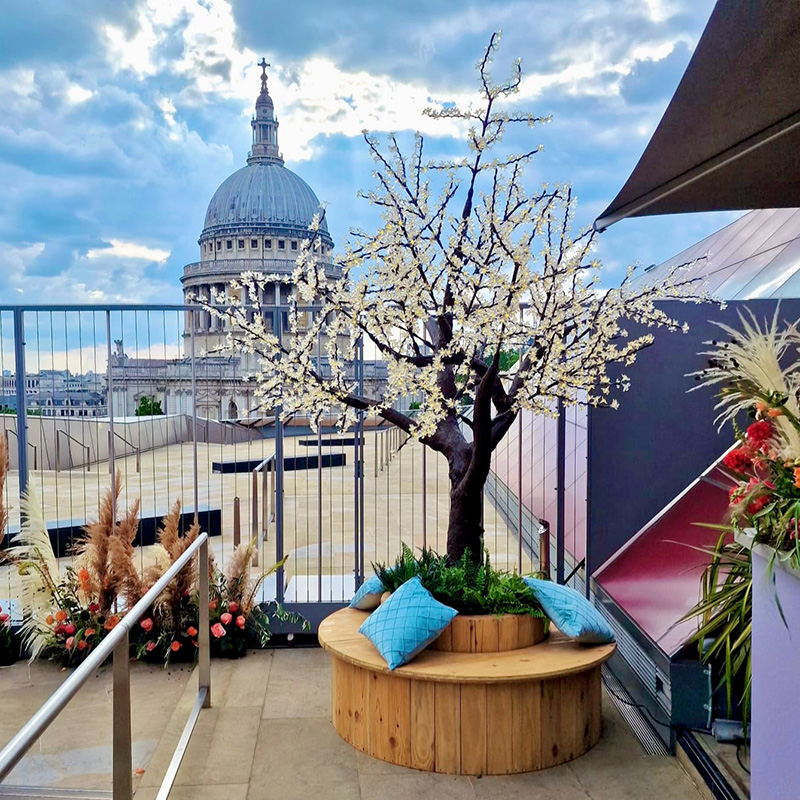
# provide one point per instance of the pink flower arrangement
(217, 630)
(226, 618)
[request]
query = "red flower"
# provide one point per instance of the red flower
(3, 619)
(147, 624)
(81, 645)
(175, 646)
(759, 433)
(735, 495)
(233, 607)
(218, 631)
(150, 646)
(240, 621)
(69, 629)
(94, 608)
(191, 631)
(194, 642)
(225, 618)
(756, 505)
(738, 460)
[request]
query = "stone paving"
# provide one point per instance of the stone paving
(269, 736)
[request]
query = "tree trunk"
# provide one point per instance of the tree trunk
(465, 524)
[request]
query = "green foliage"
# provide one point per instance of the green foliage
(726, 614)
(148, 407)
(415, 405)
(469, 586)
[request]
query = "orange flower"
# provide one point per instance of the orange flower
(797, 477)
(89, 632)
(61, 615)
(49, 619)
(760, 406)
(81, 645)
(191, 631)
(774, 412)
(212, 605)
(111, 622)
(175, 646)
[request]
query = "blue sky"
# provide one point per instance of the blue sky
(120, 118)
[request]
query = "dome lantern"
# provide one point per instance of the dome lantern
(265, 126)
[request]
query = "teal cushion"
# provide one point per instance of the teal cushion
(368, 595)
(406, 623)
(571, 612)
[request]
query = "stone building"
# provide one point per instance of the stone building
(255, 222)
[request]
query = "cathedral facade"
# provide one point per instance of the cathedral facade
(255, 222)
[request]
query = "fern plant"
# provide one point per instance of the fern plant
(470, 586)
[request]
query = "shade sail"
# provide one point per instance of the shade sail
(730, 137)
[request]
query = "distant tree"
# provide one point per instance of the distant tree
(467, 269)
(148, 407)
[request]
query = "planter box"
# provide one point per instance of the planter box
(486, 633)
(776, 659)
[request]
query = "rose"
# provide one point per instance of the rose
(69, 629)
(217, 630)
(739, 459)
(212, 605)
(191, 631)
(89, 632)
(240, 621)
(111, 622)
(94, 608)
(225, 618)
(81, 645)
(756, 505)
(233, 607)
(61, 615)
(70, 642)
(175, 646)
(758, 433)
(147, 624)
(150, 646)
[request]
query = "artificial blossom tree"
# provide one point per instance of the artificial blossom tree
(467, 266)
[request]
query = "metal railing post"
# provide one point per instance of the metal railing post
(203, 636)
(279, 577)
(561, 444)
(196, 494)
(22, 403)
(121, 734)
(237, 523)
(544, 547)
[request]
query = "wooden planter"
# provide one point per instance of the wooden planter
(473, 713)
(486, 633)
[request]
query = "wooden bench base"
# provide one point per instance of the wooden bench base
(423, 716)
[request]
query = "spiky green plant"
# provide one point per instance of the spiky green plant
(724, 636)
(471, 586)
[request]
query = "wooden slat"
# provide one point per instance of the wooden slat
(389, 722)
(486, 635)
(594, 702)
(572, 714)
(463, 635)
(447, 724)
(423, 725)
(550, 723)
(358, 684)
(473, 729)
(526, 727)
(445, 640)
(508, 634)
(500, 699)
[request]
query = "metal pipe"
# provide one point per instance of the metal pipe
(13, 752)
(561, 440)
(203, 635)
(196, 493)
(254, 515)
(544, 547)
(22, 402)
(121, 721)
(237, 529)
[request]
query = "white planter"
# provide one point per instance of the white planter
(776, 665)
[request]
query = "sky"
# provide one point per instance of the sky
(121, 117)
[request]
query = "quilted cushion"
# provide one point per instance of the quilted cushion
(406, 623)
(571, 612)
(368, 595)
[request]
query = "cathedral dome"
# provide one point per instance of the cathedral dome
(263, 196)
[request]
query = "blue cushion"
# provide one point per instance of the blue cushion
(571, 612)
(368, 595)
(406, 623)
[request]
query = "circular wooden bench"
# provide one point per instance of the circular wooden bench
(465, 713)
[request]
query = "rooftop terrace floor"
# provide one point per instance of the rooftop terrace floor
(268, 735)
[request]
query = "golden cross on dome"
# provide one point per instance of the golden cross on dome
(263, 64)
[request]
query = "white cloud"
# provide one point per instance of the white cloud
(78, 94)
(121, 249)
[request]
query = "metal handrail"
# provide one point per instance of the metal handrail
(136, 450)
(87, 448)
(117, 642)
(30, 444)
(259, 534)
